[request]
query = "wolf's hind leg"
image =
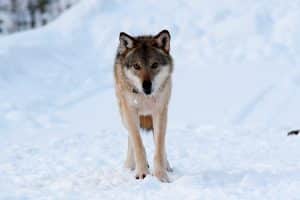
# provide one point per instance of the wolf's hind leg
(168, 166)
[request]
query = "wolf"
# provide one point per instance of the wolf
(142, 72)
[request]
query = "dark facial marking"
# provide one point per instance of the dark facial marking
(146, 56)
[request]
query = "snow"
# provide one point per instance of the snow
(236, 95)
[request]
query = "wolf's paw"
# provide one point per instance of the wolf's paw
(141, 173)
(162, 175)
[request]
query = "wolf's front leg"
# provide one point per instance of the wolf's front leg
(141, 164)
(160, 160)
(130, 161)
(139, 155)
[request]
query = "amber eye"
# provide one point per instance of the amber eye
(136, 67)
(154, 65)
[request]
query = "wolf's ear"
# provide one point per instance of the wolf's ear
(162, 40)
(126, 42)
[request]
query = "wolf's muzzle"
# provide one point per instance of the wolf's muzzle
(147, 87)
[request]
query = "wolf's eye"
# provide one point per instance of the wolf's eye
(154, 65)
(136, 67)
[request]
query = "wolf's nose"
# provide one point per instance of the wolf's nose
(147, 86)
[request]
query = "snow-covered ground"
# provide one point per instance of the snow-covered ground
(236, 94)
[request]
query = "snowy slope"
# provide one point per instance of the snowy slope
(238, 60)
(236, 93)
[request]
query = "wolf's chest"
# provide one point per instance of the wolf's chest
(145, 105)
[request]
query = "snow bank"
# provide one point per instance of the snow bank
(236, 93)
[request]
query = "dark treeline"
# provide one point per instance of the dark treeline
(18, 15)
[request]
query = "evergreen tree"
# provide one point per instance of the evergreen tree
(25, 14)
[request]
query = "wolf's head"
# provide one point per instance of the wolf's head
(146, 60)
